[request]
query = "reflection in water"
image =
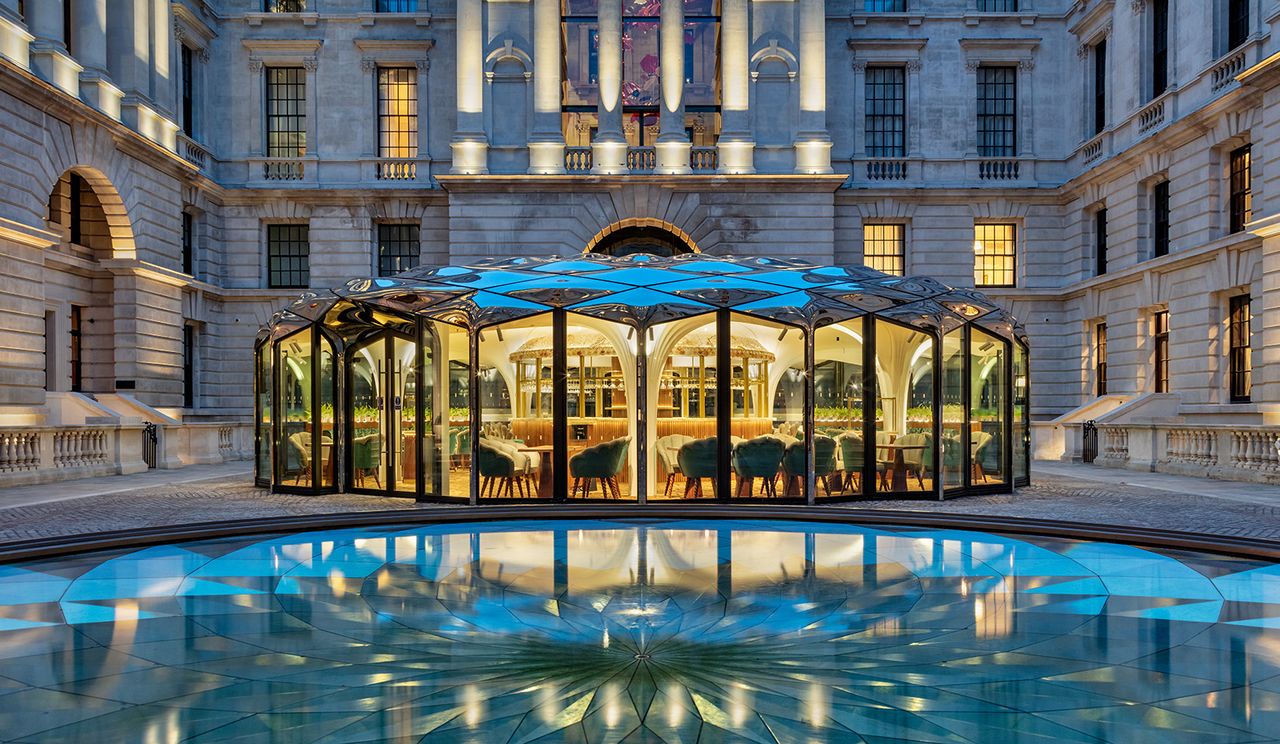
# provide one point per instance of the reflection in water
(665, 631)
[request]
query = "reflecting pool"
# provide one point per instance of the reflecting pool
(640, 631)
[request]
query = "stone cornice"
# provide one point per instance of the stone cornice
(24, 234)
(740, 183)
(1263, 75)
(283, 47)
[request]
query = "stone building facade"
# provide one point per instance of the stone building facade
(171, 172)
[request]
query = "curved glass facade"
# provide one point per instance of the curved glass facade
(643, 378)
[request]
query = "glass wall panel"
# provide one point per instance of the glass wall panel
(368, 396)
(837, 408)
(1021, 416)
(683, 450)
(986, 407)
(580, 127)
(450, 410)
(404, 414)
(514, 373)
(599, 407)
(295, 463)
(701, 78)
(327, 370)
(640, 62)
(767, 412)
(262, 400)
(954, 433)
(904, 409)
(582, 58)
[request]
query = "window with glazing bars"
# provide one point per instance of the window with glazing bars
(997, 120)
(188, 92)
(399, 247)
(284, 6)
(884, 248)
(1237, 22)
(397, 112)
(998, 6)
(77, 349)
(886, 112)
(288, 256)
(1100, 242)
(1100, 358)
(1241, 187)
(1099, 86)
(396, 6)
(1160, 219)
(994, 255)
(884, 6)
(1160, 334)
(286, 112)
(1159, 47)
(1239, 356)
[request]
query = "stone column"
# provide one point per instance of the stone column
(424, 119)
(49, 56)
(813, 144)
(91, 50)
(736, 145)
(1024, 113)
(673, 142)
(609, 149)
(162, 92)
(470, 145)
(129, 60)
(546, 141)
(15, 41)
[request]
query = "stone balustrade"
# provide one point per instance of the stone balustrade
(1243, 453)
(1224, 73)
(44, 454)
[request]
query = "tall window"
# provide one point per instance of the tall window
(188, 244)
(1237, 22)
(77, 349)
(1100, 241)
(1159, 47)
(286, 112)
(884, 248)
(288, 256)
(399, 248)
(1100, 86)
(1241, 205)
(188, 366)
(1239, 351)
(997, 118)
(1100, 358)
(998, 6)
(397, 112)
(397, 6)
(1160, 334)
(884, 6)
(77, 211)
(994, 255)
(1160, 219)
(188, 92)
(886, 112)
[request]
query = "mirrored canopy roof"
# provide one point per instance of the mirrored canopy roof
(640, 291)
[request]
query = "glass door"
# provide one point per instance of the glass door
(383, 398)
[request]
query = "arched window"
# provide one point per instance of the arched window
(653, 240)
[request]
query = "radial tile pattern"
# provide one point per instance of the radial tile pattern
(681, 631)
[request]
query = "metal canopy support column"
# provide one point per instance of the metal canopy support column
(939, 456)
(869, 382)
(642, 419)
(559, 401)
(473, 402)
(810, 448)
(724, 406)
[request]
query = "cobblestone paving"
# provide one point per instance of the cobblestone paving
(1051, 497)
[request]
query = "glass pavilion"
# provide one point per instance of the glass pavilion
(643, 378)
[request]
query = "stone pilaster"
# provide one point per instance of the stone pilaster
(90, 36)
(50, 58)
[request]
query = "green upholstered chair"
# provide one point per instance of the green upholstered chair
(600, 462)
(667, 450)
(697, 460)
(981, 440)
(758, 458)
(499, 474)
(824, 461)
(366, 454)
(852, 454)
(917, 462)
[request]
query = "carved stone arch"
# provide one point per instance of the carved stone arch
(641, 229)
(507, 50)
(774, 50)
(115, 216)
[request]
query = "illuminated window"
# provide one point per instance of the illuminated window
(286, 112)
(1241, 188)
(1239, 352)
(994, 255)
(884, 248)
(397, 112)
(1160, 333)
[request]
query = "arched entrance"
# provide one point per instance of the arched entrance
(642, 236)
